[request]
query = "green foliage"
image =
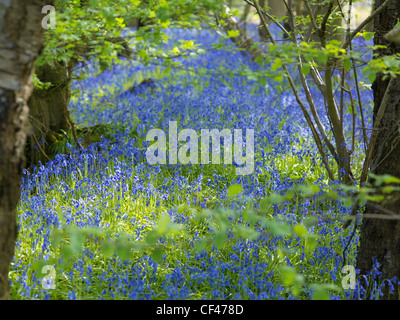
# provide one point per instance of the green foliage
(234, 190)
(93, 29)
(39, 84)
(386, 65)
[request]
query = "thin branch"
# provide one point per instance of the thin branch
(40, 148)
(354, 119)
(348, 243)
(310, 29)
(303, 108)
(313, 22)
(365, 139)
(322, 28)
(364, 23)
(341, 105)
(307, 90)
(269, 17)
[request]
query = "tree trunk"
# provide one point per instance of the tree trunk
(381, 238)
(49, 112)
(277, 7)
(21, 42)
(244, 17)
(261, 30)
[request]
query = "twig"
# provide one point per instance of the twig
(348, 244)
(365, 139)
(269, 17)
(313, 22)
(322, 29)
(303, 108)
(307, 90)
(40, 148)
(354, 119)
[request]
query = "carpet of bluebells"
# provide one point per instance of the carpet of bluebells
(111, 186)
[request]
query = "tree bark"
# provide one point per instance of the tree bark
(277, 7)
(49, 113)
(380, 239)
(20, 43)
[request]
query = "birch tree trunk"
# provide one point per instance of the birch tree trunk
(21, 40)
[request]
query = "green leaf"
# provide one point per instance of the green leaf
(233, 33)
(107, 249)
(389, 189)
(347, 64)
(375, 198)
(264, 203)
(38, 266)
(386, 178)
(368, 35)
(247, 232)
(273, 198)
(76, 241)
(220, 238)
(348, 202)
(278, 77)
(305, 69)
(66, 253)
(152, 237)
(163, 223)
(259, 59)
(157, 254)
(322, 57)
(308, 190)
(200, 245)
(278, 228)
(234, 190)
(262, 81)
(371, 76)
(311, 221)
(182, 208)
(310, 243)
(167, 71)
(320, 293)
(278, 63)
(288, 276)
(394, 35)
(123, 252)
(300, 230)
